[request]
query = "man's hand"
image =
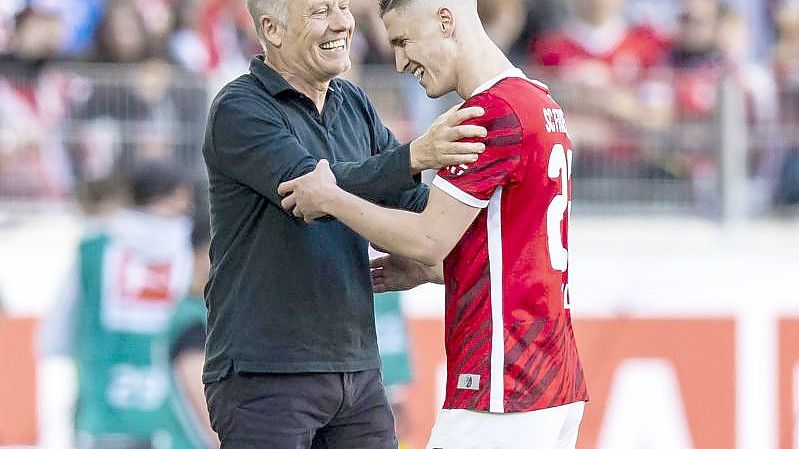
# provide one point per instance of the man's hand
(440, 145)
(394, 273)
(308, 196)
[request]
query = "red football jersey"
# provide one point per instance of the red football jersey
(509, 340)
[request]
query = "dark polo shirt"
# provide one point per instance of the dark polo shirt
(285, 296)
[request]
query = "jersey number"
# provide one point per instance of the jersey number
(560, 167)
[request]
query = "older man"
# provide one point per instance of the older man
(498, 226)
(292, 357)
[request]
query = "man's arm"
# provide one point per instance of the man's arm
(427, 237)
(261, 152)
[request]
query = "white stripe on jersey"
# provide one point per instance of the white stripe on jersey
(496, 401)
(455, 192)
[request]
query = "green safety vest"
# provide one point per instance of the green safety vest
(392, 339)
(124, 304)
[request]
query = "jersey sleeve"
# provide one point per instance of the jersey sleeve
(499, 165)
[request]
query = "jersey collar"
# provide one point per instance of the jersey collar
(514, 72)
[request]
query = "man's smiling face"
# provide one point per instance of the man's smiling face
(318, 37)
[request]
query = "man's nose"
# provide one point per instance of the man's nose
(400, 59)
(341, 20)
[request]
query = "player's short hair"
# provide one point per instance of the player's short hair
(275, 8)
(388, 5)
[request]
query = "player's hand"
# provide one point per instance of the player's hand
(307, 197)
(441, 146)
(394, 273)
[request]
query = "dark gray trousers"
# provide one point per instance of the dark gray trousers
(302, 411)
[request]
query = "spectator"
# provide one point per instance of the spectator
(122, 36)
(8, 9)
(540, 17)
(187, 46)
(711, 47)
(80, 19)
(225, 27)
(34, 101)
(604, 67)
(786, 68)
(504, 21)
(599, 41)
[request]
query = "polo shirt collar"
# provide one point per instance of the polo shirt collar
(274, 82)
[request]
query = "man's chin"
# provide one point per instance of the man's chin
(433, 94)
(335, 70)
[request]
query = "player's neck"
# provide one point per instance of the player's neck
(479, 67)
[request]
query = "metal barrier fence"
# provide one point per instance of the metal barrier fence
(62, 127)
(668, 144)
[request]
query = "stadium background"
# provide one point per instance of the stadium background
(685, 238)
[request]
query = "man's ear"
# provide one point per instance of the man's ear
(271, 30)
(446, 21)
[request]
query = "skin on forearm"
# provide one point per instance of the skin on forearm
(427, 237)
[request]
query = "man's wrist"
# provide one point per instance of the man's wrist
(416, 162)
(332, 202)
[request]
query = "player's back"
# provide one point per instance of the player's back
(508, 328)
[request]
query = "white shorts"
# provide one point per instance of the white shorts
(551, 428)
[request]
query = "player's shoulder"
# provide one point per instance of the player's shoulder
(512, 95)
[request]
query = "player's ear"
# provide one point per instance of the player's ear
(446, 22)
(271, 29)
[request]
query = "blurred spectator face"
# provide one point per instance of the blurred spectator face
(317, 38)
(123, 34)
(733, 37)
(422, 48)
(698, 26)
(37, 36)
(188, 14)
(787, 19)
(598, 11)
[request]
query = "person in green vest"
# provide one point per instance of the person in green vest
(183, 351)
(392, 340)
(129, 276)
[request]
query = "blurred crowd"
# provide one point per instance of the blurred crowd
(643, 81)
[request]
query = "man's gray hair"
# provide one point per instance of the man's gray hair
(275, 8)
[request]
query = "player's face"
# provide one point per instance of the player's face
(318, 37)
(422, 48)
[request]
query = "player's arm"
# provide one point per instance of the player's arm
(261, 152)
(427, 237)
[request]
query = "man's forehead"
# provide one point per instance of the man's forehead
(396, 22)
(309, 4)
